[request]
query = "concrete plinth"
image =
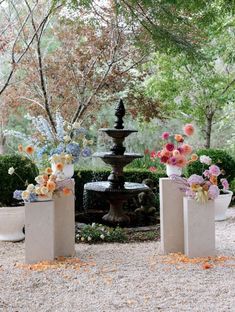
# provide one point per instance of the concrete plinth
(199, 228)
(65, 224)
(39, 231)
(171, 217)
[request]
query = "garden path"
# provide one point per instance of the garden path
(122, 277)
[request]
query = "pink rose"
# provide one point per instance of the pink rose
(165, 135)
(225, 184)
(170, 147)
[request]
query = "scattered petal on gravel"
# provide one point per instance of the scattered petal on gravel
(132, 277)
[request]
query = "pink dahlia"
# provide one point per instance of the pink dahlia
(186, 149)
(165, 135)
(188, 129)
(153, 154)
(225, 184)
(214, 170)
(172, 161)
(170, 147)
(195, 179)
(213, 192)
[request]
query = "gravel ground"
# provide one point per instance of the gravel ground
(122, 277)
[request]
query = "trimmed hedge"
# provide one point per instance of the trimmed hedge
(219, 157)
(9, 183)
(131, 175)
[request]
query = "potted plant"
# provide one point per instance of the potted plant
(16, 172)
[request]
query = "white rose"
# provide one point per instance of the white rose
(102, 236)
(39, 179)
(11, 171)
(67, 138)
(44, 190)
(205, 159)
(30, 187)
(82, 239)
(89, 238)
(25, 195)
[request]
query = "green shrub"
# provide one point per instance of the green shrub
(25, 170)
(219, 157)
(98, 232)
(131, 175)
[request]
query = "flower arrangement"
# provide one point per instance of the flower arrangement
(206, 186)
(47, 185)
(45, 141)
(175, 151)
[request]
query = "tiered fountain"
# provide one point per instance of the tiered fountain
(116, 191)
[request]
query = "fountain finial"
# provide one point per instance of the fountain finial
(120, 113)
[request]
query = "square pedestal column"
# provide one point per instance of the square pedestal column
(65, 223)
(39, 231)
(171, 217)
(199, 228)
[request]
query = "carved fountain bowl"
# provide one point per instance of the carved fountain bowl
(130, 189)
(117, 133)
(122, 160)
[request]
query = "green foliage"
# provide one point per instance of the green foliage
(99, 232)
(220, 158)
(26, 172)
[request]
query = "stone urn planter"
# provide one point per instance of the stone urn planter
(11, 223)
(221, 205)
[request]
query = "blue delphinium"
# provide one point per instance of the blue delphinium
(74, 150)
(17, 194)
(58, 150)
(86, 152)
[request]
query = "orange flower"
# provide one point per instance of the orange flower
(186, 149)
(51, 186)
(188, 129)
(165, 153)
(48, 170)
(181, 161)
(213, 180)
(207, 265)
(66, 191)
(59, 166)
(29, 149)
(52, 177)
(179, 138)
(194, 157)
(20, 148)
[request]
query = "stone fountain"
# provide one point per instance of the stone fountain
(116, 191)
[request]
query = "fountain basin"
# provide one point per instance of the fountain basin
(116, 198)
(122, 160)
(117, 133)
(104, 186)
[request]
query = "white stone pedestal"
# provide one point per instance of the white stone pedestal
(171, 216)
(199, 228)
(39, 231)
(65, 224)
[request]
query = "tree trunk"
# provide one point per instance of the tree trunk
(208, 131)
(2, 144)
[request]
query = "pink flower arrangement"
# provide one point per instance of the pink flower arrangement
(175, 151)
(206, 186)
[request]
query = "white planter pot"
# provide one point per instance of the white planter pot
(68, 170)
(170, 170)
(199, 228)
(12, 221)
(221, 205)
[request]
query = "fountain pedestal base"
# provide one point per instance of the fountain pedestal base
(116, 214)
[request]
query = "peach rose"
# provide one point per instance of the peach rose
(59, 166)
(51, 186)
(186, 149)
